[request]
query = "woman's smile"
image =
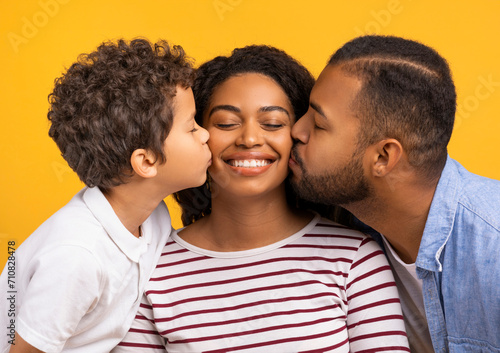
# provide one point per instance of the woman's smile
(249, 163)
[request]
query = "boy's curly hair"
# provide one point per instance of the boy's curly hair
(113, 101)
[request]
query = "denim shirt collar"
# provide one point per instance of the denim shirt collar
(440, 220)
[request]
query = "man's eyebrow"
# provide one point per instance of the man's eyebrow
(226, 107)
(272, 108)
(318, 109)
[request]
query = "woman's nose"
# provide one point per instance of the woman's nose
(251, 135)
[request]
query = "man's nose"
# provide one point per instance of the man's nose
(300, 130)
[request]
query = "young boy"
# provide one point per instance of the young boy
(123, 118)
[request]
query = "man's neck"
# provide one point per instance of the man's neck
(400, 215)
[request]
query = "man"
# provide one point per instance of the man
(374, 141)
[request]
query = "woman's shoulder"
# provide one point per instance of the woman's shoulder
(194, 233)
(334, 231)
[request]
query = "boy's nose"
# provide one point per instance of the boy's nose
(205, 135)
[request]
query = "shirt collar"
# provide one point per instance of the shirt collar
(130, 245)
(440, 220)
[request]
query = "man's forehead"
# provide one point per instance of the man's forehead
(333, 81)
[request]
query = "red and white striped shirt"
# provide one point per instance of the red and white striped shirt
(324, 289)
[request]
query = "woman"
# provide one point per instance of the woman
(251, 272)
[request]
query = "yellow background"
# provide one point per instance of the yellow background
(39, 39)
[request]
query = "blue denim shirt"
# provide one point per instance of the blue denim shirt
(459, 262)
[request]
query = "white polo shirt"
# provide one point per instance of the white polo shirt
(80, 276)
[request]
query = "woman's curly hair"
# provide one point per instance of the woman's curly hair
(295, 80)
(113, 101)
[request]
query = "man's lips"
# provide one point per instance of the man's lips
(292, 162)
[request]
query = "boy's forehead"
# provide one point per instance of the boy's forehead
(183, 104)
(182, 95)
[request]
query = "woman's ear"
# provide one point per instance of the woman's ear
(144, 163)
(385, 156)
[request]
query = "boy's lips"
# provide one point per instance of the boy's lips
(210, 157)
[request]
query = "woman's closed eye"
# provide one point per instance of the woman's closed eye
(225, 126)
(273, 126)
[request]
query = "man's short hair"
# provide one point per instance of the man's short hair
(113, 101)
(407, 93)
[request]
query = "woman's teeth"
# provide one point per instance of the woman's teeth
(249, 163)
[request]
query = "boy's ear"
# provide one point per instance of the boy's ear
(386, 154)
(144, 163)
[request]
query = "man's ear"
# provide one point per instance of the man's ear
(144, 163)
(385, 155)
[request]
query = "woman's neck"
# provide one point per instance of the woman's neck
(240, 223)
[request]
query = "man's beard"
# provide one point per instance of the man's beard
(342, 186)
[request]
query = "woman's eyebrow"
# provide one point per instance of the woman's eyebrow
(226, 107)
(272, 108)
